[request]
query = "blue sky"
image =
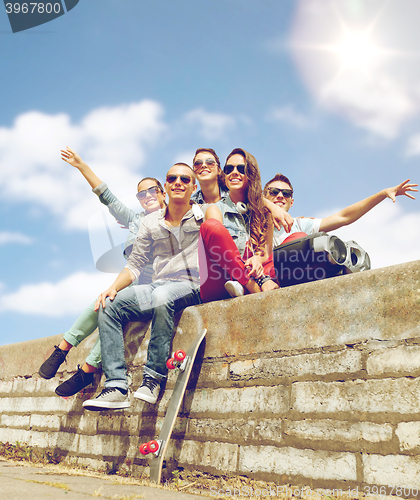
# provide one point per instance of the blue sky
(326, 92)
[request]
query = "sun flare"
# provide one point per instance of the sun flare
(356, 50)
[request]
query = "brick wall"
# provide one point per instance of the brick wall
(317, 384)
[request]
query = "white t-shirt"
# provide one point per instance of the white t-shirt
(307, 225)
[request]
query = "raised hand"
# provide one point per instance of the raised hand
(401, 189)
(71, 157)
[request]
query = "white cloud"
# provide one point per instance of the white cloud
(113, 140)
(387, 233)
(361, 61)
(413, 145)
(210, 125)
(69, 296)
(8, 237)
(288, 115)
(184, 157)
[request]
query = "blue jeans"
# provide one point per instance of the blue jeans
(159, 302)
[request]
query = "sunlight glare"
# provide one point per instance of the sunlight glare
(356, 50)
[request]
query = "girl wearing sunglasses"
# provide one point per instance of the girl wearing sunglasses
(235, 251)
(151, 196)
(206, 165)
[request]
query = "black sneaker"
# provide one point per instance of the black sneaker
(75, 383)
(50, 366)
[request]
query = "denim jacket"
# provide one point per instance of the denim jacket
(124, 215)
(235, 223)
(172, 259)
(199, 198)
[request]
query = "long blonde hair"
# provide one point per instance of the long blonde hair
(258, 220)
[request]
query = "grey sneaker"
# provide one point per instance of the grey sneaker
(234, 288)
(149, 389)
(111, 398)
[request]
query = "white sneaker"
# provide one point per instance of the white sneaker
(109, 399)
(149, 390)
(234, 288)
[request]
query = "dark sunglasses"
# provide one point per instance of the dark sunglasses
(230, 168)
(209, 161)
(141, 195)
(185, 179)
(287, 193)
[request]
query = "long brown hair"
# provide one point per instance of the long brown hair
(220, 173)
(258, 220)
(158, 184)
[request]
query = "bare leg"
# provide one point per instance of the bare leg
(87, 368)
(65, 346)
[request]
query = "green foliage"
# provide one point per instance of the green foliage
(26, 453)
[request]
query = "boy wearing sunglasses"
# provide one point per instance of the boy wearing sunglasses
(279, 190)
(169, 239)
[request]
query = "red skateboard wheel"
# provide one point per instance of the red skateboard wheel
(180, 355)
(152, 446)
(170, 364)
(143, 449)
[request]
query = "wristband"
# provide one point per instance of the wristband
(261, 280)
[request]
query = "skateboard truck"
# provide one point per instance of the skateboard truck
(179, 360)
(154, 446)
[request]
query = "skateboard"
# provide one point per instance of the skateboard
(184, 361)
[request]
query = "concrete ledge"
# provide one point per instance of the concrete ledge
(290, 384)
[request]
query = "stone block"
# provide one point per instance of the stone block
(45, 422)
(85, 423)
(294, 462)
(15, 421)
(25, 386)
(238, 430)
(373, 396)
(217, 456)
(54, 441)
(336, 430)
(399, 360)
(6, 387)
(107, 445)
(409, 435)
(392, 470)
(37, 405)
(261, 399)
(212, 373)
(321, 363)
(67, 441)
(111, 423)
(12, 436)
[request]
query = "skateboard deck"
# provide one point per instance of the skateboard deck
(173, 408)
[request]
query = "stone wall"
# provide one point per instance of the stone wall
(317, 384)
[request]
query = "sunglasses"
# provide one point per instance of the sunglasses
(230, 168)
(287, 193)
(153, 191)
(185, 179)
(198, 163)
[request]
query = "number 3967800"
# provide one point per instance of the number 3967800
(33, 8)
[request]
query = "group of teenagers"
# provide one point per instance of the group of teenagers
(190, 245)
